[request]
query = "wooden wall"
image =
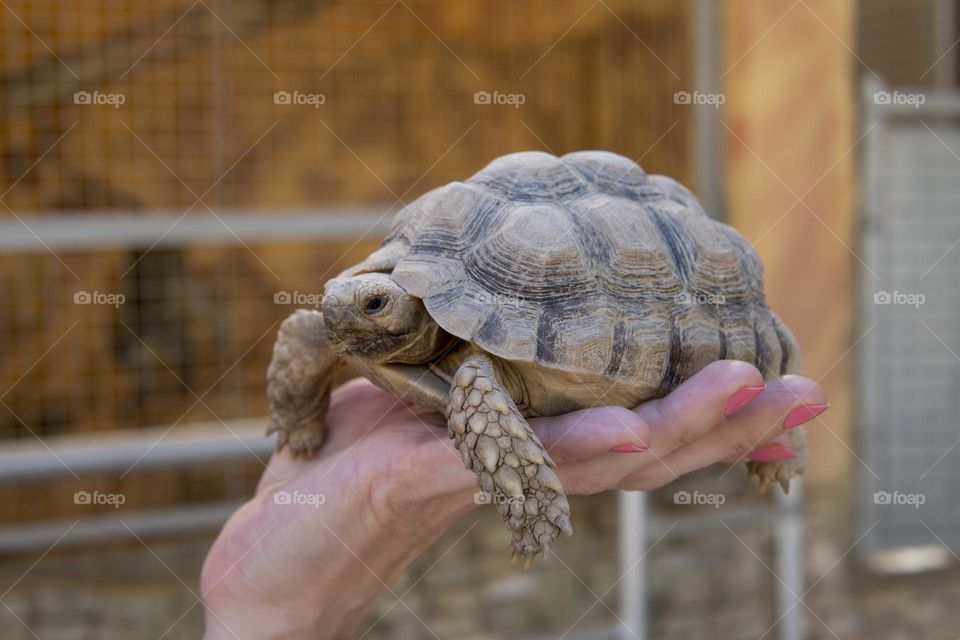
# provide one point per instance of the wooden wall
(791, 152)
(199, 118)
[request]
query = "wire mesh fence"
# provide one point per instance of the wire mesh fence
(145, 338)
(911, 329)
(136, 140)
(152, 158)
(205, 108)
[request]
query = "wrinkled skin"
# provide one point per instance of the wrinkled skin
(370, 321)
(393, 484)
(370, 317)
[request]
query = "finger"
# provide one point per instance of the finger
(694, 407)
(689, 411)
(760, 423)
(776, 444)
(588, 433)
(356, 407)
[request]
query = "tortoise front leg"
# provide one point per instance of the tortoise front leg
(298, 382)
(511, 464)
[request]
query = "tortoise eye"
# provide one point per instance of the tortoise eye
(374, 304)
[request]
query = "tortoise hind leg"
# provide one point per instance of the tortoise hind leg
(511, 464)
(782, 471)
(299, 379)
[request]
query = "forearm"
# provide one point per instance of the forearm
(345, 556)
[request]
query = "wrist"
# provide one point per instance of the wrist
(279, 571)
(418, 500)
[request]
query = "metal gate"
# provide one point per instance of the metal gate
(909, 330)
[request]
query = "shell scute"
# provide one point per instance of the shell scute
(533, 256)
(585, 263)
(529, 177)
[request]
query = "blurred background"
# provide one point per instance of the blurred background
(178, 176)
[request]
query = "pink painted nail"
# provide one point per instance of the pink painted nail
(804, 414)
(772, 453)
(741, 398)
(629, 447)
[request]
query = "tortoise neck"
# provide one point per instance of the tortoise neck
(428, 345)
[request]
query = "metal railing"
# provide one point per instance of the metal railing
(57, 457)
(32, 460)
(90, 230)
(51, 458)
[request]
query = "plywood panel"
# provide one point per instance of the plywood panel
(790, 164)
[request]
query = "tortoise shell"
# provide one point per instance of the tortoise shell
(586, 264)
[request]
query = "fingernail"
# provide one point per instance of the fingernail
(629, 447)
(742, 397)
(804, 414)
(772, 453)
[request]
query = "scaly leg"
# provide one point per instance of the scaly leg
(784, 470)
(298, 383)
(511, 464)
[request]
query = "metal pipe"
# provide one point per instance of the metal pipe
(42, 535)
(876, 131)
(84, 230)
(708, 519)
(633, 525)
(944, 38)
(707, 152)
(789, 563)
(936, 102)
(118, 450)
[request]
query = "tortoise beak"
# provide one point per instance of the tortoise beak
(333, 313)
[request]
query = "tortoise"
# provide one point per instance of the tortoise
(539, 286)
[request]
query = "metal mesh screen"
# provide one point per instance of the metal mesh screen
(134, 139)
(173, 336)
(197, 110)
(910, 374)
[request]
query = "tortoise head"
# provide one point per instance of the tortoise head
(370, 316)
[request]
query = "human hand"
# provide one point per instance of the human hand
(392, 483)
